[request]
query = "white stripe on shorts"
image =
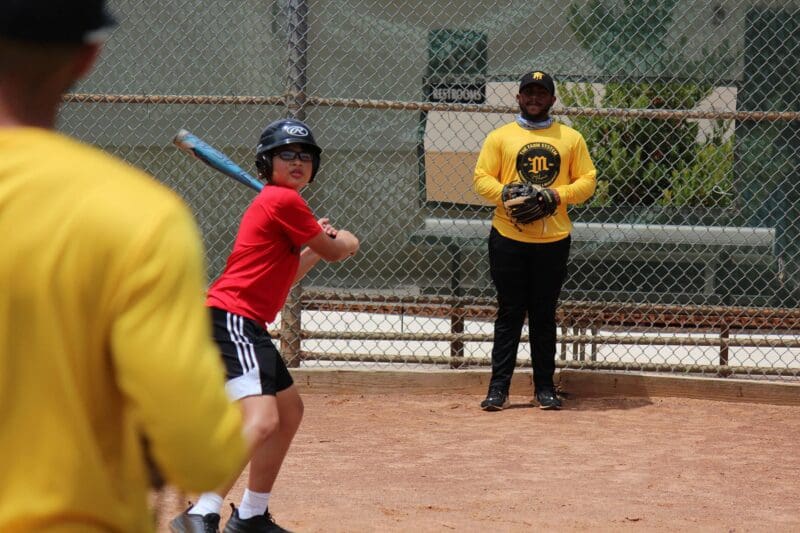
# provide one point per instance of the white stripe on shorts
(244, 347)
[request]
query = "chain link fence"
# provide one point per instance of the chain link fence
(686, 258)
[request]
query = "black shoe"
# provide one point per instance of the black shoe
(496, 400)
(548, 399)
(256, 524)
(195, 523)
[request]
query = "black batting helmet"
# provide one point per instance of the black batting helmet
(280, 133)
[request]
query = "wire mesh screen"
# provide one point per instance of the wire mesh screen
(685, 259)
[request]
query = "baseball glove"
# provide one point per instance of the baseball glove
(525, 203)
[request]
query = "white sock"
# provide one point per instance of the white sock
(253, 504)
(208, 503)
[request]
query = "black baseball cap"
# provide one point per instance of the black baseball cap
(55, 21)
(537, 77)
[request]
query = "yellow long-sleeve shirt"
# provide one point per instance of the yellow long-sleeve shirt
(554, 157)
(103, 337)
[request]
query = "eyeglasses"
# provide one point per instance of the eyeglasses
(291, 155)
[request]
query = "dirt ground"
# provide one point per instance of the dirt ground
(385, 463)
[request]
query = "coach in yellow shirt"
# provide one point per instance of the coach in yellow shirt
(528, 262)
(104, 338)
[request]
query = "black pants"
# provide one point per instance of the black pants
(528, 278)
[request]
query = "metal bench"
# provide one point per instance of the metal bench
(710, 245)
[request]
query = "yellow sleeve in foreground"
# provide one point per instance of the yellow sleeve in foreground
(167, 364)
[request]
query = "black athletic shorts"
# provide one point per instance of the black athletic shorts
(253, 366)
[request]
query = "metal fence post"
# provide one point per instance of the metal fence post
(291, 322)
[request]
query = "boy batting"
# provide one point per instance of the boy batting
(278, 242)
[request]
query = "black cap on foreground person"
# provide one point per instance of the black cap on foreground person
(46, 46)
(55, 21)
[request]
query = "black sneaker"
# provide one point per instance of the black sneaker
(195, 523)
(496, 400)
(256, 524)
(548, 399)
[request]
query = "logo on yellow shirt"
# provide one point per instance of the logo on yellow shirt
(539, 164)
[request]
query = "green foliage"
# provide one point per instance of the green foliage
(644, 161)
(649, 161)
(706, 182)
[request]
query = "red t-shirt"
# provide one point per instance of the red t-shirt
(262, 266)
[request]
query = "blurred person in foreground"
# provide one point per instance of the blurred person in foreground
(105, 344)
(529, 242)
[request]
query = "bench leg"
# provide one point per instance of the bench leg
(457, 313)
(583, 345)
(723, 351)
(576, 351)
(457, 346)
(710, 276)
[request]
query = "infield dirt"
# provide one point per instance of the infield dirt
(396, 463)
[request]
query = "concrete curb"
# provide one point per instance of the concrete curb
(578, 383)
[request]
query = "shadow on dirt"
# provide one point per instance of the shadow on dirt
(571, 403)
